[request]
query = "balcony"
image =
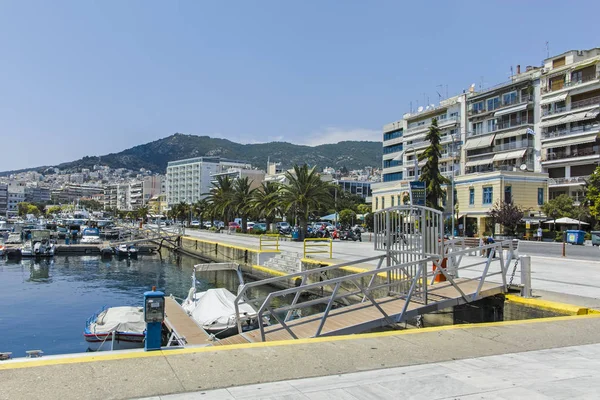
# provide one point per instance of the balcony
(592, 101)
(425, 126)
(513, 145)
(502, 104)
(571, 131)
(571, 84)
(563, 155)
(573, 180)
(509, 124)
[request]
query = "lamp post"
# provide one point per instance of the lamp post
(452, 195)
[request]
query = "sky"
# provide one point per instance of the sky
(87, 77)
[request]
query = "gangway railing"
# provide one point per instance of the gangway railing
(414, 282)
(318, 246)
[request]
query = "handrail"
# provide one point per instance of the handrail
(316, 243)
(266, 241)
(419, 280)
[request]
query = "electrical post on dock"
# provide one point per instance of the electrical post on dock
(154, 315)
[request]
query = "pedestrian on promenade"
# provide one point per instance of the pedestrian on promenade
(539, 233)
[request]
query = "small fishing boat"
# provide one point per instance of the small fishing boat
(124, 250)
(27, 249)
(123, 324)
(44, 248)
(214, 309)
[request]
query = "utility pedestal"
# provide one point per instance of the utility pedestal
(154, 315)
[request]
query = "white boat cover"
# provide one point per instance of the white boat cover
(121, 319)
(216, 307)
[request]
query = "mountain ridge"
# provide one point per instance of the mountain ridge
(155, 155)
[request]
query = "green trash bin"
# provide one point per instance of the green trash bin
(595, 238)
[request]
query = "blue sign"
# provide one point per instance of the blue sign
(417, 193)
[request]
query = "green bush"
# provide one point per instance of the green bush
(212, 229)
(558, 237)
(587, 236)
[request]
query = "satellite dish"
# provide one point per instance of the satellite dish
(523, 167)
(432, 105)
(420, 109)
(426, 108)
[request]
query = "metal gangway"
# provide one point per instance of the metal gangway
(149, 234)
(334, 300)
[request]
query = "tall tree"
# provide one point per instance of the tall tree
(220, 198)
(559, 207)
(430, 173)
(266, 201)
(304, 194)
(592, 193)
(242, 196)
(199, 209)
(142, 212)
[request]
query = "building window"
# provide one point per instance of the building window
(494, 103)
(392, 201)
(509, 98)
(392, 149)
(471, 196)
(508, 194)
(383, 202)
(540, 196)
(377, 203)
(392, 135)
(478, 107)
(454, 115)
(488, 194)
(395, 176)
(491, 125)
(478, 128)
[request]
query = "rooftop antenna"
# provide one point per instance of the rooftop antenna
(481, 82)
(547, 49)
(438, 93)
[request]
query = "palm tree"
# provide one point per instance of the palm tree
(199, 208)
(142, 212)
(306, 193)
(266, 201)
(430, 173)
(242, 195)
(220, 198)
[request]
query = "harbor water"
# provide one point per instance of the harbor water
(45, 303)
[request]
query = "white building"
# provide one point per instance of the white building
(16, 195)
(190, 180)
(570, 122)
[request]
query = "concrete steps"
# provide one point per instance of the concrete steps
(285, 261)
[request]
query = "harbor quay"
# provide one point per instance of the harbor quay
(558, 324)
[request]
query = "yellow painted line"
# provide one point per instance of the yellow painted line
(351, 269)
(270, 271)
(227, 245)
(548, 305)
(18, 364)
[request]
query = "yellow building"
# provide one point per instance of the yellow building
(477, 194)
(157, 205)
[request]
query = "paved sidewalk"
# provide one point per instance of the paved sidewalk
(561, 373)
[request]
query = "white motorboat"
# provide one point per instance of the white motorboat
(90, 236)
(124, 250)
(44, 248)
(123, 324)
(214, 309)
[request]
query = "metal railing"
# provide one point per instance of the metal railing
(585, 79)
(415, 282)
(582, 152)
(565, 181)
(318, 246)
(269, 241)
(514, 145)
(572, 130)
(585, 102)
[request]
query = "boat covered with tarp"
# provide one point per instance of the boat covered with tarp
(124, 324)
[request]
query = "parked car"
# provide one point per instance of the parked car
(234, 225)
(207, 225)
(259, 227)
(249, 225)
(283, 227)
(195, 223)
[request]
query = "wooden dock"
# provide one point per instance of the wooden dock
(364, 316)
(178, 321)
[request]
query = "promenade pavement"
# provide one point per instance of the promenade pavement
(560, 373)
(564, 279)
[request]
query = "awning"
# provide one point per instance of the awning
(592, 113)
(554, 99)
(511, 110)
(415, 137)
(478, 142)
(580, 116)
(517, 132)
(551, 122)
(510, 155)
(589, 138)
(475, 163)
(585, 64)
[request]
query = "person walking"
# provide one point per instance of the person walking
(539, 233)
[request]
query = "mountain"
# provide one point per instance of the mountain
(155, 155)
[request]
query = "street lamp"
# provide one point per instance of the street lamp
(452, 194)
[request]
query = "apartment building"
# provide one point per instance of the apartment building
(570, 122)
(404, 141)
(255, 176)
(37, 194)
(3, 199)
(191, 179)
(70, 192)
(15, 195)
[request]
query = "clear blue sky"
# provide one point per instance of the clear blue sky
(87, 77)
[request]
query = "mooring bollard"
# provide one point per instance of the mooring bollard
(526, 276)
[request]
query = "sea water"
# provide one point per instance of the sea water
(45, 303)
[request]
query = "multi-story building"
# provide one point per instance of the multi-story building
(15, 195)
(190, 180)
(570, 122)
(359, 188)
(69, 193)
(501, 152)
(3, 199)
(404, 141)
(255, 176)
(37, 194)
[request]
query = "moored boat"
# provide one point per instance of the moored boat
(90, 236)
(123, 324)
